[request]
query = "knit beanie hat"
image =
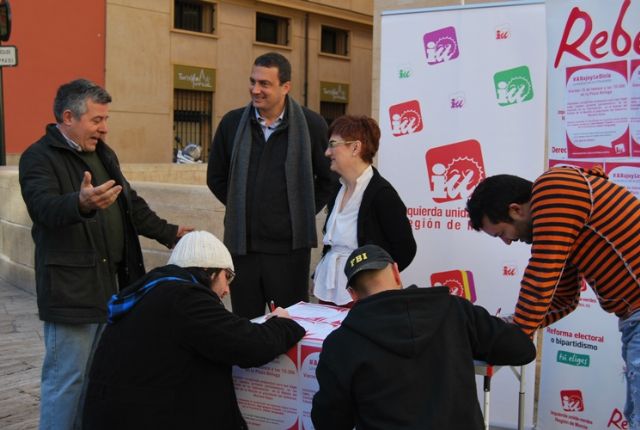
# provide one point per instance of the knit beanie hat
(201, 249)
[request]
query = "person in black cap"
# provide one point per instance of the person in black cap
(403, 358)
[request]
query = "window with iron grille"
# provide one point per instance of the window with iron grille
(194, 15)
(192, 119)
(272, 29)
(330, 110)
(334, 41)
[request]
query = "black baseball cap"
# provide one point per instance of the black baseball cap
(367, 257)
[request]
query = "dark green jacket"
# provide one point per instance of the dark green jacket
(72, 263)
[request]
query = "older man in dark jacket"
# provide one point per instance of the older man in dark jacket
(86, 221)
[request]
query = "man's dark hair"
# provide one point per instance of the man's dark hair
(493, 196)
(273, 59)
(73, 96)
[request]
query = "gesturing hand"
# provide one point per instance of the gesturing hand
(100, 197)
(182, 230)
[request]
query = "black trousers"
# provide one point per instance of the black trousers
(260, 278)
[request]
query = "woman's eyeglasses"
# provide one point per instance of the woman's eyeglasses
(335, 143)
(230, 275)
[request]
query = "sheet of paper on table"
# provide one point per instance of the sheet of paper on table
(278, 395)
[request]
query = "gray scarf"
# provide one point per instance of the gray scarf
(298, 176)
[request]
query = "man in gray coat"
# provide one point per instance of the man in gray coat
(86, 221)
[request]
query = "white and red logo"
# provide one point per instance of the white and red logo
(509, 270)
(406, 118)
(454, 170)
(459, 282)
(572, 400)
(503, 32)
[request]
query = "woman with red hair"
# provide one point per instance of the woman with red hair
(365, 210)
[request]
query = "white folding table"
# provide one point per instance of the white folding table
(487, 371)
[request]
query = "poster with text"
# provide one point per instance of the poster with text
(279, 395)
(597, 112)
(594, 108)
(594, 81)
(462, 97)
(582, 371)
(634, 107)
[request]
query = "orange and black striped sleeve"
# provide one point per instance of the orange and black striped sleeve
(550, 288)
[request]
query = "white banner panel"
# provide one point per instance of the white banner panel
(593, 117)
(582, 373)
(462, 97)
(594, 79)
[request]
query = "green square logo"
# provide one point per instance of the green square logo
(513, 86)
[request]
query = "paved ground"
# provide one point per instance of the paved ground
(21, 352)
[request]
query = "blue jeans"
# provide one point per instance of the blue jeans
(68, 348)
(630, 329)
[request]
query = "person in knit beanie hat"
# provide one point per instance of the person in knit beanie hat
(165, 359)
(201, 249)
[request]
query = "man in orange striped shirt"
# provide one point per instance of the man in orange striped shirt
(580, 225)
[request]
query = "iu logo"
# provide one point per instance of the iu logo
(502, 32)
(454, 170)
(457, 103)
(572, 400)
(459, 282)
(508, 270)
(404, 74)
(406, 118)
(457, 100)
(441, 45)
(513, 86)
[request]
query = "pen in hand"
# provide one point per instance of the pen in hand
(276, 312)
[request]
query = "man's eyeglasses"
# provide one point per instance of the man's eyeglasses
(230, 275)
(335, 143)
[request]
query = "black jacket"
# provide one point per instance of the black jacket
(74, 279)
(403, 359)
(167, 363)
(268, 219)
(382, 221)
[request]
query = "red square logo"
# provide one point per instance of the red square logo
(572, 400)
(405, 118)
(459, 282)
(454, 170)
(451, 279)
